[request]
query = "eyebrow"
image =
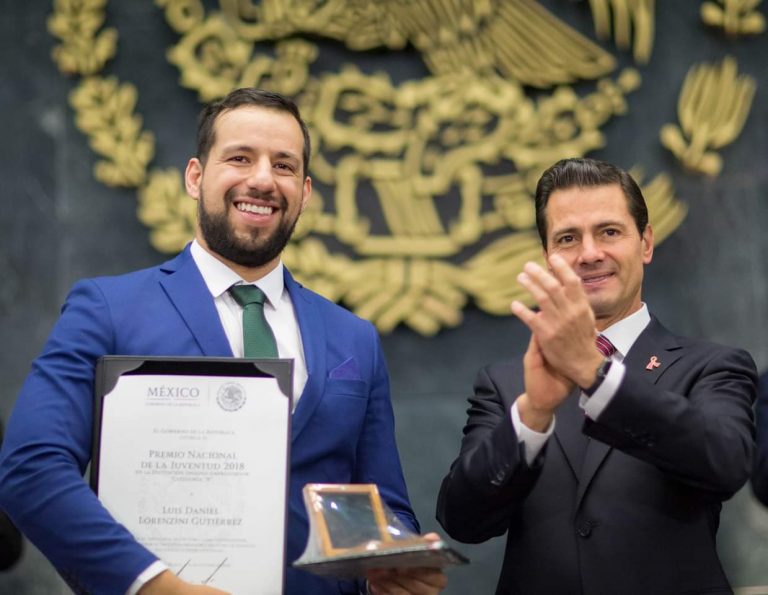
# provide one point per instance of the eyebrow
(237, 149)
(567, 230)
(600, 225)
(286, 155)
(249, 149)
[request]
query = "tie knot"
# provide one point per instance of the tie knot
(247, 294)
(604, 346)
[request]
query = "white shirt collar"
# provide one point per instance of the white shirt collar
(219, 277)
(625, 332)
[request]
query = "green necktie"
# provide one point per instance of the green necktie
(258, 339)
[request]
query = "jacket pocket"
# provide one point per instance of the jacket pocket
(349, 388)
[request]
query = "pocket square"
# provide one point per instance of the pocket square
(347, 370)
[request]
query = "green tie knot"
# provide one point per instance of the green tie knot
(247, 294)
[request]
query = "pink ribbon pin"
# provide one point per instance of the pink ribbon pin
(653, 363)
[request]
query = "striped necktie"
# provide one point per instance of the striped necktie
(604, 346)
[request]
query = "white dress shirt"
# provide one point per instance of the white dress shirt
(279, 312)
(623, 335)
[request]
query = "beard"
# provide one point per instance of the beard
(260, 248)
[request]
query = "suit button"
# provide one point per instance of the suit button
(584, 529)
(500, 477)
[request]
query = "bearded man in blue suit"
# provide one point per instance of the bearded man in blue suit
(251, 184)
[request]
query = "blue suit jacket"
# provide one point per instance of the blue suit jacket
(342, 428)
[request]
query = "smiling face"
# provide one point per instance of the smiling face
(251, 188)
(592, 229)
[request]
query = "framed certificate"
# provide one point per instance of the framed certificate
(192, 456)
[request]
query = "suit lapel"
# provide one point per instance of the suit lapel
(655, 345)
(571, 439)
(313, 339)
(185, 287)
(594, 457)
(654, 342)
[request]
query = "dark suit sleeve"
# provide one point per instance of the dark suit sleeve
(10, 542)
(760, 475)
(695, 424)
(10, 538)
(46, 450)
(490, 477)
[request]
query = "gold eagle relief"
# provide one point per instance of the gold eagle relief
(424, 187)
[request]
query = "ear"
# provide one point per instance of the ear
(193, 177)
(306, 195)
(647, 244)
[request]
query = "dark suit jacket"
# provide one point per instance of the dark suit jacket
(760, 476)
(342, 428)
(10, 538)
(628, 504)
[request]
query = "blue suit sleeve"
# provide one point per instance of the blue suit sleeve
(47, 449)
(377, 459)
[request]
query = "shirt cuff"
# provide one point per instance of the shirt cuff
(147, 575)
(532, 440)
(593, 406)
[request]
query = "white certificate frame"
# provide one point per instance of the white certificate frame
(192, 455)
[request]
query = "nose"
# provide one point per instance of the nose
(261, 176)
(590, 251)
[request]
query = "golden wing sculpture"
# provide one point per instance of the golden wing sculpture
(626, 17)
(517, 39)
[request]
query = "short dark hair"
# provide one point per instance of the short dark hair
(584, 173)
(245, 97)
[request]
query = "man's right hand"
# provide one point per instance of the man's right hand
(545, 389)
(564, 324)
(167, 583)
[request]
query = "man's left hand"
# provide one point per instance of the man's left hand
(407, 581)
